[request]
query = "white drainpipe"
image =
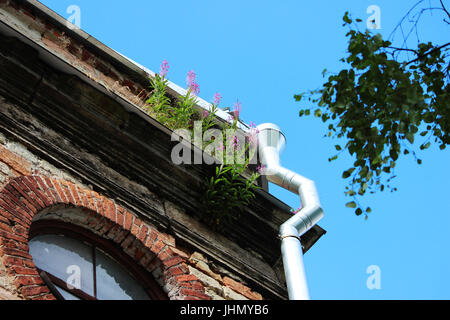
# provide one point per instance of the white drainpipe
(271, 142)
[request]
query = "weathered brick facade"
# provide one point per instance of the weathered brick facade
(26, 198)
(76, 147)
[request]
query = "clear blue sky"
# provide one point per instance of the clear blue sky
(264, 52)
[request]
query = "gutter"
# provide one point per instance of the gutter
(271, 142)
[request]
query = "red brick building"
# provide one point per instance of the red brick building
(85, 174)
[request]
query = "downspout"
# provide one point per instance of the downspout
(271, 142)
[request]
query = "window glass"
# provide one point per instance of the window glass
(114, 282)
(66, 294)
(67, 259)
(72, 262)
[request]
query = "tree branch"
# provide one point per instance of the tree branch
(443, 7)
(428, 52)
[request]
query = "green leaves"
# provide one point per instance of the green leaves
(227, 193)
(382, 105)
(351, 204)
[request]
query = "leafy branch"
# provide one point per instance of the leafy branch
(381, 105)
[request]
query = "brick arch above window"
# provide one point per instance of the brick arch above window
(27, 199)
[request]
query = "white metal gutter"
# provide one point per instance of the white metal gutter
(271, 142)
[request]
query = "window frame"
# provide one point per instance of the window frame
(53, 227)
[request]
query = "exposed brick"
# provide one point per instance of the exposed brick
(14, 161)
(128, 220)
(32, 205)
(194, 285)
(5, 227)
(135, 229)
(51, 189)
(180, 253)
(28, 280)
(143, 233)
(12, 236)
(172, 261)
(176, 271)
(4, 220)
(95, 221)
(168, 239)
(145, 260)
(48, 297)
(121, 236)
(112, 210)
(65, 188)
(21, 231)
(82, 196)
(157, 247)
(190, 298)
(152, 236)
(155, 264)
(98, 202)
(242, 289)
(108, 225)
(194, 293)
(45, 190)
(75, 196)
(59, 191)
(113, 232)
(34, 290)
(23, 271)
(119, 216)
(128, 240)
(186, 278)
(13, 197)
(91, 199)
(38, 195)
(15, 211)
(13, 261)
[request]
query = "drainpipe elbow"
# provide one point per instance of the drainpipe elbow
(304, 220)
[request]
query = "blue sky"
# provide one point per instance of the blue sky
(264, 52)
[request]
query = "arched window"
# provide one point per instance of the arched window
(76, 264)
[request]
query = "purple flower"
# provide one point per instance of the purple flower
(261, 169)
(235, 142)
(205, 114)
(230, 118)
(217, 99)
(253, 137)
(237, 108)
(252, 125)
(164, 69)
(191, 77)
(221, 147)
(191, 82)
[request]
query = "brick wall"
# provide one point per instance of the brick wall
(31, 190)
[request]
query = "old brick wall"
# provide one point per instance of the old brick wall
(196, 275)
(31, 189)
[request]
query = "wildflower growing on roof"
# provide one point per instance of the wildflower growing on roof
(221, 147)
(235, 142)
(192, 82)
(217, 99)
(261, 169)
(253, 134)
(237, 108)
(205, 114)
(230, 118)
(164, 69)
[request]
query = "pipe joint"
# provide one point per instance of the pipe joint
(271, 141)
